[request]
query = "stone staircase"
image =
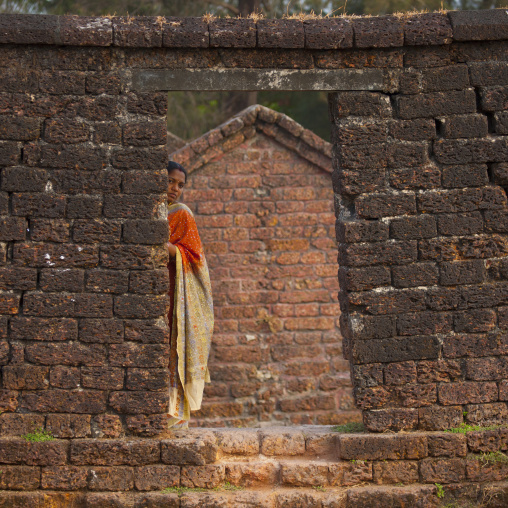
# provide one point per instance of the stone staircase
(290, 467)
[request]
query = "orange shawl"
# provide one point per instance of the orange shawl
(192, 316)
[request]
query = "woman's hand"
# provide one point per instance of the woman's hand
(172, 250)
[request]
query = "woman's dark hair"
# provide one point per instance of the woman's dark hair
(174, 165)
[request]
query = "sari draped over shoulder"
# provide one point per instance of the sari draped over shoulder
(190, 316)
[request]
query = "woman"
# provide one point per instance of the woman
(191, 307)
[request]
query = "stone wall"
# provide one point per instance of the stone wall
(422, 223)
(264, 208)
(420, 156)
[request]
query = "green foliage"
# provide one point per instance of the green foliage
(228, 486)
(440, 493)
(349, 428)
(183, 490)
(464, 428)
(319, 488)
(492, 458)
(38, 435)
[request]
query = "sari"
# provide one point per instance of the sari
(190, 316)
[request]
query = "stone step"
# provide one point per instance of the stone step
(493, 495)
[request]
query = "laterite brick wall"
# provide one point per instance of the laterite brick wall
(420, 162)
(423, 222)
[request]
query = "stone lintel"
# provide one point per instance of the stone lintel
(257, 79)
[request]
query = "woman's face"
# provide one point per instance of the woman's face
(176, 185)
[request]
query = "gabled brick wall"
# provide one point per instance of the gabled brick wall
(261, 191)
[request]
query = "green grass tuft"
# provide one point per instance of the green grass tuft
(228, 486)
(39, 435)
(464, 428)
(492, 458)
(349, 428)
(184, 490)
(440, 493)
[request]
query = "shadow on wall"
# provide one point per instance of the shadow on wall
(260, 189)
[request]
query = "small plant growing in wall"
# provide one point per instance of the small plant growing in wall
(37, 436)
(440, 493)
(349, 428)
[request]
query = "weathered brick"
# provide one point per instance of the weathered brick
(396, 419)
(140, 159)
(101, 330)
(415, 275)
(462, 224)
(55, 255)
(18, 278)
(378, 32)
(156, 477)
(467, 151)
(114, 452)
(23, 179)
(38, 205)
(447, 445)
(488, 73)
(410, 228)
(25, 377)
(474, 321)
(136, 257)
(83, 207)
(279, 33)
(67, 305)
(50, 329)
(395, 472)
(358, 279)
(65, 377)
(66, 131)
(428, 177)
(68, 425)
(394, 350)
(344, 104)
(50, 230)
(440, 417)
(494, 99)
(64, 401)
(376, 206)
(427, 29)
(462, 272)
(20, 478)
(139, 355)
(393, 252)
(18, 451)
(443, 470)
(435, 371)
(102, 378)
(364, 231)
(463, 126)
(64, 477)
(57, 279)
(65, 353)
(424, 323)
(148, 331)
(381, 447)
(487, 369)
(429, 105)
(467, 393)
(473, 175)
(73, 157)
(139, 402)
(145, 231)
